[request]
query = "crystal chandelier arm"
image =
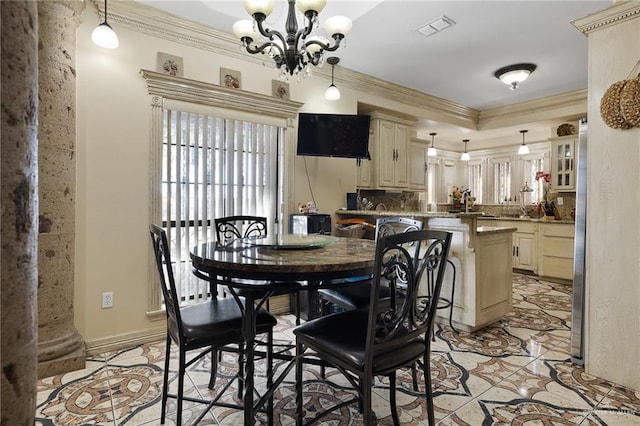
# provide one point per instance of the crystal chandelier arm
(265, 46)
(266, 32)
(326, 46)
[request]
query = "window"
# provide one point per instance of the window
(433, 181)
(475, 181)
(531, 168)
(212, 167)
(214, 152)
(502, 181)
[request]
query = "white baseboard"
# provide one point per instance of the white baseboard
(124, 341)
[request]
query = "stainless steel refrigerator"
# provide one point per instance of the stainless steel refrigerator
(578, 311)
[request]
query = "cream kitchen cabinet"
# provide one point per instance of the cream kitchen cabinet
(363, 168)
(363, 173)
(556, 250)
(524, 251)
(418, 166)
(563, 167)
(524, 248)
(390, 151)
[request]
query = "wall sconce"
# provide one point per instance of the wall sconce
(513, 75)
(332, 93)
(524, 149)
(432, 151)
(103, 35)
(465, 155)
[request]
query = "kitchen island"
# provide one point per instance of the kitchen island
(482, 259)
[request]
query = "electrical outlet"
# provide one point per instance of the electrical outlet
(107, 300)
(560, 201)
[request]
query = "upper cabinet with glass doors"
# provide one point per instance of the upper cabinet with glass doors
(563, 163)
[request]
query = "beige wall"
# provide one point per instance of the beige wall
(613, 222)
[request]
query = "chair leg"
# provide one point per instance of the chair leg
(165, 380)
(366, 386)
(453, 289)
(297, 308)
(324, 310)
(414, 375)
(214, 367)
(299, 401)
(270, 376)
(428, 390)
(240, 369)
(181, 373)
(392, 397)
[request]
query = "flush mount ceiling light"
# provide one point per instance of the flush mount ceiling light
(432, 151)
(465, 155)
(295, 51)
(103, 35)
(524, 149)
(332, 93)
(513, 75)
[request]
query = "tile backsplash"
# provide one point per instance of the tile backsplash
(411, 201)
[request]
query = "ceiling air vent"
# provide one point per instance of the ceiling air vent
(436, 26)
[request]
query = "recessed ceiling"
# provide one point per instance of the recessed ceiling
(456, 64)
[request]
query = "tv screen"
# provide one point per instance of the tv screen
(333, 135)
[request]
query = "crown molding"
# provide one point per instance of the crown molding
(612, 15)
(568, 105)
(187, 90)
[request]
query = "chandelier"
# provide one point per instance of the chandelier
(296, 50)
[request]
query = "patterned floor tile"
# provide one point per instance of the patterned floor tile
(517, 371)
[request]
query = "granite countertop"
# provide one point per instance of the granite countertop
(478, 215)
(526, 219)
(494, 229)
(388, 213)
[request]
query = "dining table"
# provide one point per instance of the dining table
(269, 264)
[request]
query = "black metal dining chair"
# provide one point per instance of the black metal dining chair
(391, 334)
(231, 228)
(206, 326)
(356, 295)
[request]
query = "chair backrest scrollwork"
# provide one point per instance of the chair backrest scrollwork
(419, 258)
(231, 228)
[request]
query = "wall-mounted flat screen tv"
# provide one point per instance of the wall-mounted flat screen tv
(333, 135)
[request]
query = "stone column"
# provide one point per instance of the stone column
(60, 347)
(19, 170)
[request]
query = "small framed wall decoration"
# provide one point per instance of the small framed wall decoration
(230, 78)
(280, 89)
(170, 64)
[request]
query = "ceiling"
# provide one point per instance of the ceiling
(456, 64)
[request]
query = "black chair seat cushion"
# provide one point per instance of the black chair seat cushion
(355, 296)
(341, 338)
(216, 322)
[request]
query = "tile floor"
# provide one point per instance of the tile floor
(513, 372)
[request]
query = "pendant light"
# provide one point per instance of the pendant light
(332, 93)
(524, 149)
(432, 151)
(103, 35)
(465, 155)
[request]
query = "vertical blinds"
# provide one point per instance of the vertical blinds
(213, 167)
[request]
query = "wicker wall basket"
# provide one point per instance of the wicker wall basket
(630, 101)
(620, 105)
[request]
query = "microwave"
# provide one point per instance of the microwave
(316, 223)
